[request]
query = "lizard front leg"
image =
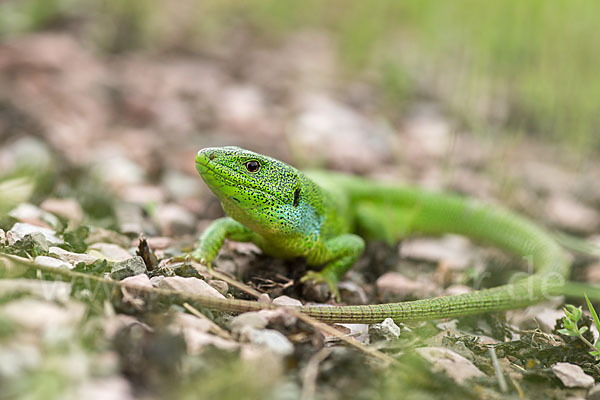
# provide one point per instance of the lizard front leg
(214, 236)
(338, 255)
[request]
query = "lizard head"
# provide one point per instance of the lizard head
(254, 189)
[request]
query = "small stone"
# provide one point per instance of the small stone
(287, 301)
(594, 393)
(76, 364)
(196, 334)
(546, 177)
(568, 213)
(359, 332)
(47, 290)
(486, 340)
(174, 220)
(386, 330)
(144, 194)
(429, 130)
(247, 249)
(456, 251)
(242, 108)
(547, 317)
(327, 131)
(279, 316)
(112, 324)
(454, 365)
(12, 238)
(28, 212)
(316, 291)
(572, 375)
(192, 286)
(65, 208)
(454, 290)
(269, 338)
(183, 320)
(180, 185)
(35, 240)
(221, 286)
(70, 257)
(267, 363)
(338, 327)
(352, 293)
(592, 273)
(41, 315)
(155, 280)
(20, 229)
(251, 319)
(101, 235)
(182, 269)
(132, 266)
(466, 180)
(395, 285)
(131, 219)
(264, 298)
(117, 170)
(140, 280)
(450, 326)
(108, 251)
(196, 205)
(52, 262)
(112, 387)
(195, 341)
(27, 151)
(18, 357)
(543, 315)
(2, 236)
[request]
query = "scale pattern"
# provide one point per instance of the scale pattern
(332, 205)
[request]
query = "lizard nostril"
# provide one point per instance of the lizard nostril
(211, 156)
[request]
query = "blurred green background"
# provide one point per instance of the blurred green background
(512, 66)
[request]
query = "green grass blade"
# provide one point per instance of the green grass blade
(593, 312)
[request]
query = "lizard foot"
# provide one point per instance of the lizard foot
(321, 278)
(198, 256)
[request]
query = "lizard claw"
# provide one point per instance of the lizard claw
(197, 255)
(314, 278)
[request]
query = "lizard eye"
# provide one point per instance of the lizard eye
(252, 166)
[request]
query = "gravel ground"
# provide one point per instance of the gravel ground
(108, 144)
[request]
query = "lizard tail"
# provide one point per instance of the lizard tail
(548, 262)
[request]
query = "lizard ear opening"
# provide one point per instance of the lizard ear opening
(296, 197)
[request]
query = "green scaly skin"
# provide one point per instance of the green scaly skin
(317, 215)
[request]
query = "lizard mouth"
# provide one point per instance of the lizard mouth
(203, 165)
(209, 171)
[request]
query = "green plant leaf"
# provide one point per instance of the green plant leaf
(573, 313)
(566, 332)
(593, 312)
(569, 324)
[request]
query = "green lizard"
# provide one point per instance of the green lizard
(319, 216)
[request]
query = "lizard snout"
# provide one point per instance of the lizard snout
(205, 155)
